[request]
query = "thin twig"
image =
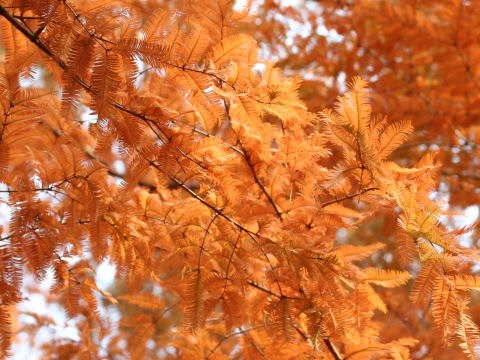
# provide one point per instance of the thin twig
(331, 347)
(351, 196)
(246, 156)
(255, 285)
(207, 204)
(240, 332)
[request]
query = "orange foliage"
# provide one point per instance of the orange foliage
(248, 214)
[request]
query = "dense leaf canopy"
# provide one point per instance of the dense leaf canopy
(267, 181)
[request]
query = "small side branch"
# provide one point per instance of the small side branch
(226, 337)
(260, 184)
(30, 36)
(255, 285)
(351, 196)
(207, 204)
(333, 350)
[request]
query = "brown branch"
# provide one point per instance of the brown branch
(92, 35)
(33, 37)
(215, 76)
(30, 36)
(206, 134)
(255, 285)
(202, 247)
(333, 350)
(226, 337)
(246, 156)
(230, 260)
(331, 347)
(351, 196)
(301, 333)
(21, 17)
(206, 203)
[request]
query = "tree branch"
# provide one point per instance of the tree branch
(255, 285)
(348, 197)
(246, 156)
(225, 337)
(333, 350)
